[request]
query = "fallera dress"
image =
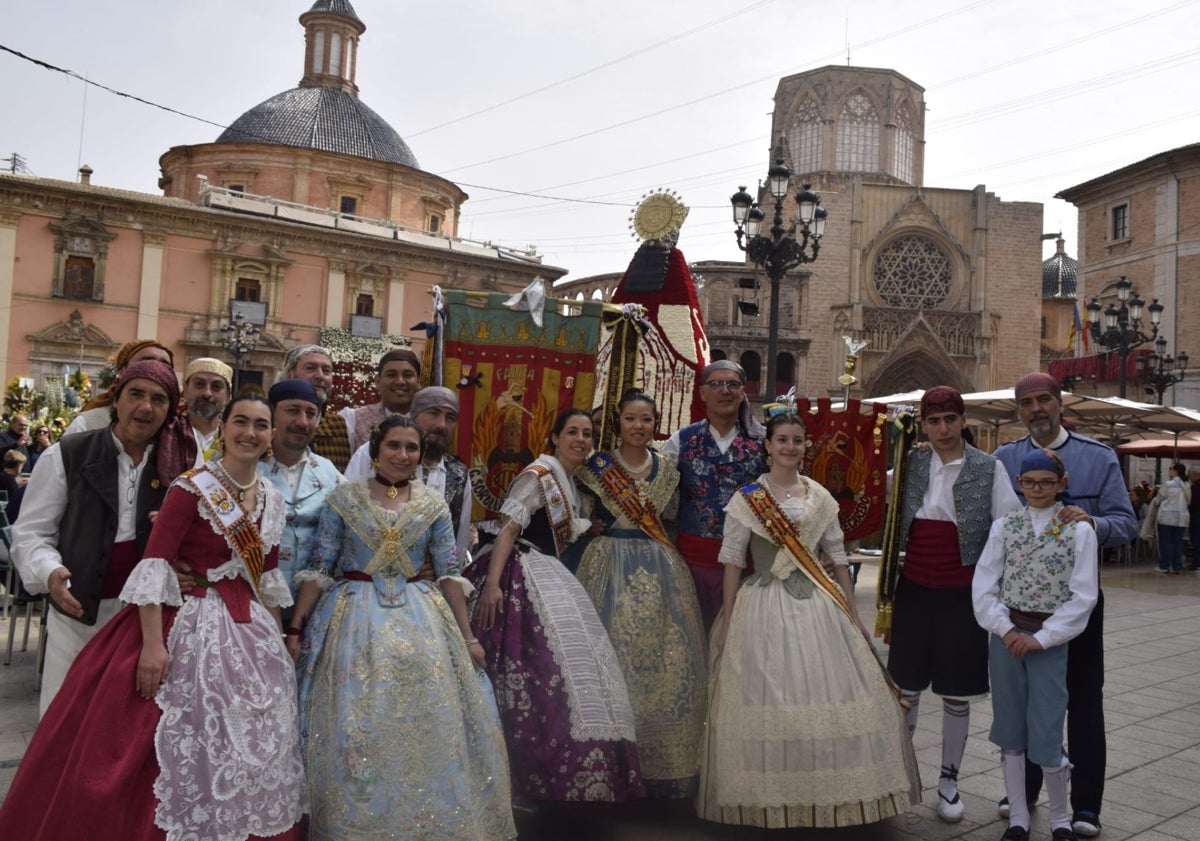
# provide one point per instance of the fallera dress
(804, 730)
(563, 701)
(644, 594)
(400, 732)
(216, 753)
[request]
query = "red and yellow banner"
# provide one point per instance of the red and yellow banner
(848, 456)
(513, 378)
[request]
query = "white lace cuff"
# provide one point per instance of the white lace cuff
(579, 527)
(152, 581)
(515, 511)
(467, 587)
(324, 581)
(273, 589)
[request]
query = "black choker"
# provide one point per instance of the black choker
(392, 487)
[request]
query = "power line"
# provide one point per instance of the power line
(602, 66)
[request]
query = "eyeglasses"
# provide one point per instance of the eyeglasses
(724, 385)
(1043, 484)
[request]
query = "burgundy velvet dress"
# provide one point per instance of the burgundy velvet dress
(224, 723)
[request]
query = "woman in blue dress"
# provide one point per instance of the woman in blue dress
(399, 733)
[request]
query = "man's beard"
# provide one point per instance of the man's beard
(435, 448)
(206, 410)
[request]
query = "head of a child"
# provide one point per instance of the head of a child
(1042, 478)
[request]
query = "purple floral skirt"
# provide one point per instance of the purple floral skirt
(563, 701)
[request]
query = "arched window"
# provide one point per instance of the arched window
(718, 355)
(912, 272)
(902, 144)
(858, 136)
(335, 54)
(597, 294)
(785, 372)
(806, 137)
(318, 56)
(751, 363)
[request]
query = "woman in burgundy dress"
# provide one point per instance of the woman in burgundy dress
(563, 701)
(179, 720)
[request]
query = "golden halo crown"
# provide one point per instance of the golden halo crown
(658, 215)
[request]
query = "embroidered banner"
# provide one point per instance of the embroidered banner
(675, 348)
(513, 378)
(848, 455)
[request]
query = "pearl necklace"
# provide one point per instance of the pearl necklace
(241, 489)
(787, 492)
(645, 465)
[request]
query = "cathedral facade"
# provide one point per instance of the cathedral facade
(942, 284)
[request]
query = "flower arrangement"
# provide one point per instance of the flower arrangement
(354, 359)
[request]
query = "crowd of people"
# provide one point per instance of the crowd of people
(302, 633)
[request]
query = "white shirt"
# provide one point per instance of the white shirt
(97, 418)
(1069, 620)
(359, 466)
(35, 534)
(938, 502)
(203, 443)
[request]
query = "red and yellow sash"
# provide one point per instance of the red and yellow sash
(620, 489)
(557, 505)
(782, 533)
(238, 529)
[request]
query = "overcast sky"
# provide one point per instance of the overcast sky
(591, 104)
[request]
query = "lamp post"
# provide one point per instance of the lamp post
(240, 337)
(1123, 325)
(1165, 370)
(781, 250)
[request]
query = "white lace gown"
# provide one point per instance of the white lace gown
(227, 741)
(803, 730)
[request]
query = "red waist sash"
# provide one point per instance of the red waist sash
(358, 575)
(121, 562)
(703, 551)
(931, 557)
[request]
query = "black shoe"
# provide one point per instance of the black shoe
(1005, 812)
(1064, 834)
(1015, 833)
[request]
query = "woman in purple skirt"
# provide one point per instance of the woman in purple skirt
(563, 701)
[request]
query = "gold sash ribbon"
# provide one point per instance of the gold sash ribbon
(237, 528)
(782, 532)
(620, 490)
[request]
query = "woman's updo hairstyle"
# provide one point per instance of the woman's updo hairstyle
(560, 423)
(387, 425)
(636, 395)
(787, 418)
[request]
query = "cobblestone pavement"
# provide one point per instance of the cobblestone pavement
(1152, 708)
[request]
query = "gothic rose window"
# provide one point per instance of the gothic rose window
(913, 273)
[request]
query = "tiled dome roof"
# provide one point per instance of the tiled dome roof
(335, 7)
(1059, 275)
(325, 118)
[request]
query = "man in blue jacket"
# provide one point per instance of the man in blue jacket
(1098, 491)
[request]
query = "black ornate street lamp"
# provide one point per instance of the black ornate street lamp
(783, 249)
(240, 337)
(1165, 370)
(1123, 325)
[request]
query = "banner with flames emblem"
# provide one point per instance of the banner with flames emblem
(848, 455)
(513, 378)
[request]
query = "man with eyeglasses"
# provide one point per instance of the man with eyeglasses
(1098, 491)
(86, 514)
(949, 495)
(716, 456)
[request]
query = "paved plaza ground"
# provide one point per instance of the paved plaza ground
(1152, 708)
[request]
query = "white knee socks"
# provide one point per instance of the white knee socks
(1012, 763)
(913, 702)
(1056, 790)
(956, 720)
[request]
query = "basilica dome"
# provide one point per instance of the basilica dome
(1059, 274)
(326, 118)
